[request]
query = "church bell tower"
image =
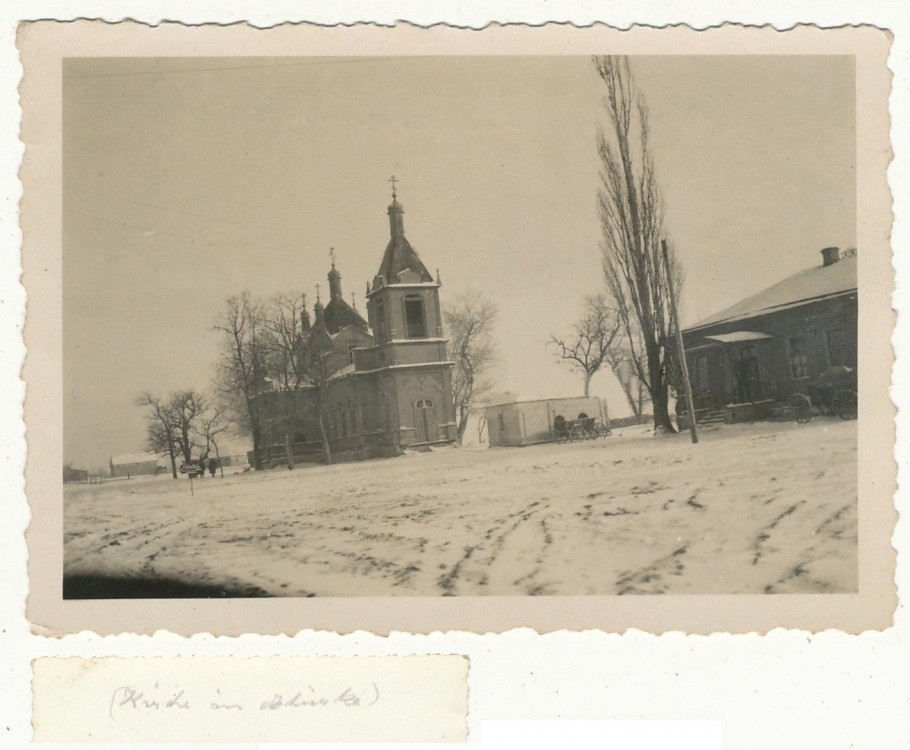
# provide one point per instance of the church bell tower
(410, 351)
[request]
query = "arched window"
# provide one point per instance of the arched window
(415, 318)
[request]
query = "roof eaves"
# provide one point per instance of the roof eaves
(768, 310)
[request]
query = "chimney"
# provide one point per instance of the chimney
(830, 255)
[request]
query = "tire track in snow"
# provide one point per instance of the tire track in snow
(652, 578)
(497, 536)
(765, 533)
(800, 575)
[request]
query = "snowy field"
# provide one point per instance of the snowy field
(753, 508)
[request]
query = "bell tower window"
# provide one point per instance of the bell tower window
(380, 318)
(415, 317)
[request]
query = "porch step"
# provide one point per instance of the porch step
(710, 416)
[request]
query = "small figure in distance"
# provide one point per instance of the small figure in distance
(213, 464)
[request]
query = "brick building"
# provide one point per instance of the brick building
(392, 383)
(760, 351)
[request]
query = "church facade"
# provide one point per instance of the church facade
(390, 386)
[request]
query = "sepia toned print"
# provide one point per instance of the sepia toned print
(580, 329)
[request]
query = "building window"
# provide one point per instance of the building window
(351, 348)
(414, 318)
(380, 318)
(799, 359)
(746, 353)
(837, 347)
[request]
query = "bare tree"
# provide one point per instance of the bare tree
(211, 426)
(622, 363)
(317, 371)
(632, 223)
(187, 408)
(469, 319)
(592, 338)
(160, 425)
(240, 376)
(284, 349)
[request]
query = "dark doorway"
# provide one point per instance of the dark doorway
(745, 371)
(425, 420)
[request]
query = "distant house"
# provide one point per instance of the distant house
(771, 345)
(74, 475)
(529, 422)
(134, 465)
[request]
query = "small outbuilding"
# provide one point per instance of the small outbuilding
(74, 475)
(528, 422)
(134, 465)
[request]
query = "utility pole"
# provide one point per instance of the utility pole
(680, 349)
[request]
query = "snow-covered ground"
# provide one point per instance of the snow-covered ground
(751, 509)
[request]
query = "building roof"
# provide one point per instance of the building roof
(557, 400)
(339, 314)
(808, 285)
(738, 337)
(399, 255)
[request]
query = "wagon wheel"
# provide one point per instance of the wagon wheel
(844, 403)
(802, 408)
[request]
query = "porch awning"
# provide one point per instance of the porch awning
(738, 336)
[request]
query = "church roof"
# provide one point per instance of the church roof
(318, 331)
(339, 314)
(399, 255)
(805, 286)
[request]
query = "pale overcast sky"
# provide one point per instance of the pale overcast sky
(186, 180)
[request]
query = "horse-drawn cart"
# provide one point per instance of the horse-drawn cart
(583, 428)
(832, 393)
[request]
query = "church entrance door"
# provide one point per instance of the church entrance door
(425, 420)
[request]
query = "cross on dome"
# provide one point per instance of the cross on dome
(394, 180)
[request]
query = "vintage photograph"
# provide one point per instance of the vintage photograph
(459, 326)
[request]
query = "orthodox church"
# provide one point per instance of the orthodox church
(390, 386)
